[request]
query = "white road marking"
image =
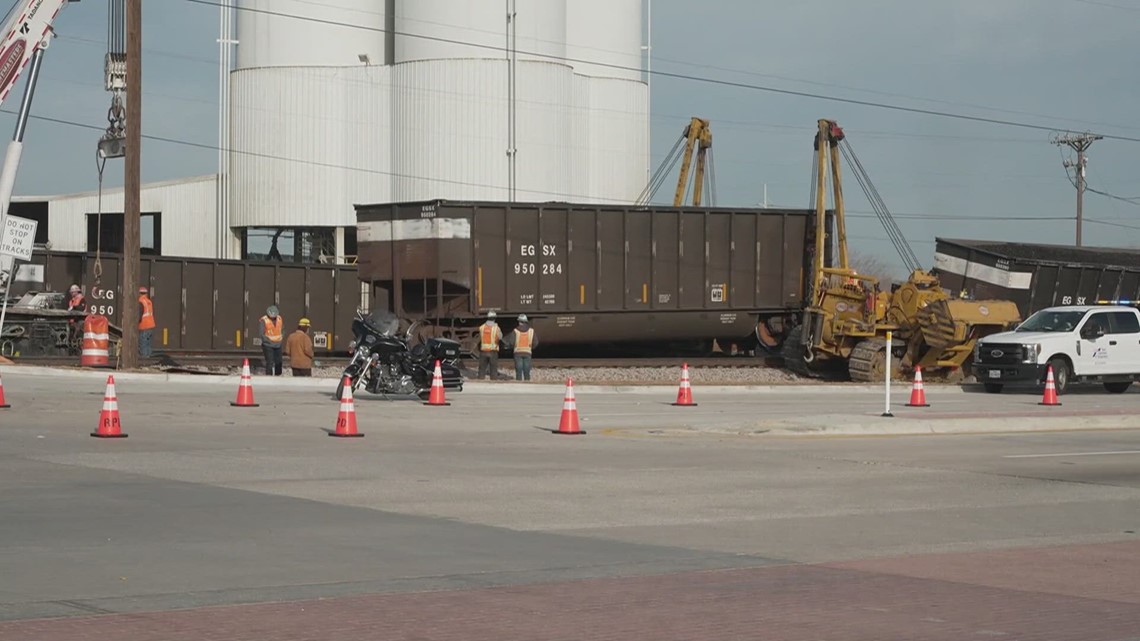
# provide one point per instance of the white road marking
(1072, 454)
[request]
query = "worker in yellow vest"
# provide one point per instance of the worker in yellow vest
(523, 341)
(272, 339)
(146, 322)
(490, 336)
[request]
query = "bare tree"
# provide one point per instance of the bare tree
(874, 266)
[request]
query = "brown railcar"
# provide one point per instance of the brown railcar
(586, 273)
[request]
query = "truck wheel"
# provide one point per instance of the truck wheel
(993, 388)
(1060, 374)
(1118, 387)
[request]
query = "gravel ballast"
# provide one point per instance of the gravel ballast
(634, 375)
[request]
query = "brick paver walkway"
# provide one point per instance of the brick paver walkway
(1078, 593)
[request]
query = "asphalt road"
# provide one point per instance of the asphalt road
(687, 517)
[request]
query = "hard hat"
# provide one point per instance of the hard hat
(143, 289)
(491, 314)
(272, 311)
(304, 322)
(522, 318)
(73, 289)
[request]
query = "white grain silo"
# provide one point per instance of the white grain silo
(309, 113)
(351, 101)
(482, 104)
(603, 45)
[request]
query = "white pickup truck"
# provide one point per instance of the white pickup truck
(1098, 343)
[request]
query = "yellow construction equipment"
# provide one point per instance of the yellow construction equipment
(845, 322)
(696, 138)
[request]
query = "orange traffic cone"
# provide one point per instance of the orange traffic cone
(346, 419)
(436, 396)
(109, 425)
(3, 403)
(1050, 397)
(917, 392)
(685, 391)
(568, 423)
(245, 388)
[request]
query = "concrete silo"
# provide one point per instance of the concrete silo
(309, 115)
(352, 101)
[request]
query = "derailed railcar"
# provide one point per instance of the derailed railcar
(587, 274)
(1036, 276)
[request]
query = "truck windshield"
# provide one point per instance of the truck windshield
(1051, 321)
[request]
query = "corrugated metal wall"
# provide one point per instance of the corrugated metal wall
(308, 143)
(215, 305)
(606, 32)
(618, 160)
(270, 35)
(450, 129)
(188, 209)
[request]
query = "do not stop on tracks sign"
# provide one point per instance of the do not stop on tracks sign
(19, 237)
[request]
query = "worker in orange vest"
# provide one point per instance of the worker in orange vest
(272, 340)
(75, 303)
(490, 336)
(146, 322)
(523, 341)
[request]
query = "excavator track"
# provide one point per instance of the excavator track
(793, 353)
(868, 361)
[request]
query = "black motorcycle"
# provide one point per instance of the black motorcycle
(383, 363)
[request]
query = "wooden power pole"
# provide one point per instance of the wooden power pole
(1079, 144)
(132, 186)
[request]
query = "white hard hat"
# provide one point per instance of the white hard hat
(73, 288)
(522, 318)
(491, 314)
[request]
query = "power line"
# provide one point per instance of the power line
(211, 147)
(1107, 4)
(673, 75)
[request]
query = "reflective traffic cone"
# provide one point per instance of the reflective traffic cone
(436, 397)
(245, 388)
(346, 419)
(685, 391)
(3, 403)
(109, 425)
(917, 392)
(1050, 397)
(568, 423)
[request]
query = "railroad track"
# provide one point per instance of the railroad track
(207, 361)
(717, 361)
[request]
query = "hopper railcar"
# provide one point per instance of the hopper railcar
(589, 275)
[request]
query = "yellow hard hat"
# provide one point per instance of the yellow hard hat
(304, 322)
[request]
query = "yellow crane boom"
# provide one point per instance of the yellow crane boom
(695, 139)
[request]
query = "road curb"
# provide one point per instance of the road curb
(911, 426)
(469, 388)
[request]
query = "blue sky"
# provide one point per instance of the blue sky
(1067, 64)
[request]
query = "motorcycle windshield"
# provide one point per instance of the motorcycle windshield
(382, 323)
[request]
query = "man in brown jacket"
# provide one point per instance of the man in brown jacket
(299, 349)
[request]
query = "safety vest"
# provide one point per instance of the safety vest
(272, 329)
(523, 341)
(489, 338)
(147, 320)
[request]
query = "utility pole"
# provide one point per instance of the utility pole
(1080, 144)
(132, 188)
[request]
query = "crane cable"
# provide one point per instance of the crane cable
(894, 233)
(661, 173)
(116, 114)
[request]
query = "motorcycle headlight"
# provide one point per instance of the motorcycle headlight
(1031, 352)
